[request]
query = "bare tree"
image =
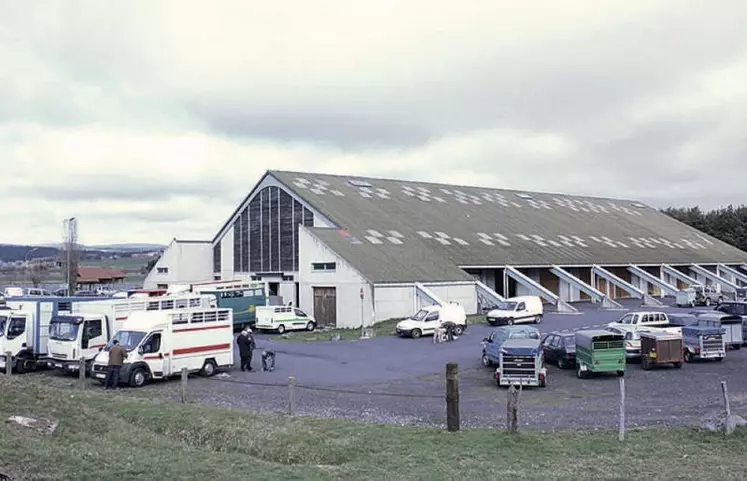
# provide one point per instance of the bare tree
(70, 254)
(36, 274)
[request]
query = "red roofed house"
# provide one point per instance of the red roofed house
(91, 278)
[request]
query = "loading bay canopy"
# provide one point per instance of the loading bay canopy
(714, 277)
(732, 272)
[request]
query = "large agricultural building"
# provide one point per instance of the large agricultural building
(352, 250)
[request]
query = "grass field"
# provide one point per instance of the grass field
(111, 436)
(384, 328)
(132, 268)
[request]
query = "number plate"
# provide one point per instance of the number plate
(58, 365)
(100, 376)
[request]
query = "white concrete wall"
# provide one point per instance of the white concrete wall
(394, 302)
(287, 290)
(466, 295)
(226, 256)
(346, 281)
(187, 263)
(567, 291)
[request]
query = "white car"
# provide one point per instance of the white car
(430, 318)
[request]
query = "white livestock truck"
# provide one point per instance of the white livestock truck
(160, 343)
(83, 332)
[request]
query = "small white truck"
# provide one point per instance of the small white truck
(633, 323)
(516, 310)
(160, 343)
(283, 318)
(430, 318)
(90, 325)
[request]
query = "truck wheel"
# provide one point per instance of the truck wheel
(538, 319)
(281, 329)
(688, 356)
(138, 377)
(310, 326)
(209, 368)
(486, 360)
(620, 373)
(458, 330)
(416, 333)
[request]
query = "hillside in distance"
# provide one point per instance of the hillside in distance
(15, 252)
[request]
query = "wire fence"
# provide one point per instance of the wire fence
(326, 389)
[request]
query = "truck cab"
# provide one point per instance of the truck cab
(521, 363)
(15, 337)
(72, 337)
(430, 318)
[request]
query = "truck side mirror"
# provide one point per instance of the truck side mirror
(487, 339)
(140, 350)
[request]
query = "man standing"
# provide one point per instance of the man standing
(245, 352)
(117, 355)
(252, 347)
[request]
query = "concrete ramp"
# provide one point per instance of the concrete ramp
(594, 293)
(714, 277)
(732, 272)
(486, 296)
(428, 296)
(539, 290)
(679, 275)
(645, 298)
(669, 289)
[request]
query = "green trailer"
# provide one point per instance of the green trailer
(599, 351)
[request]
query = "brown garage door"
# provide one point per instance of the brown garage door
(325, 306)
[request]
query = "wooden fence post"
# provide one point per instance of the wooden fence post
(512, 410)
(452, 397)
(729, 424)
(291, 396)
(185, 375)
(621, 432)
(8, 363)
(82, 371)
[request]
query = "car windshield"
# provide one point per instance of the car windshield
(63, 330)
(3, 319)
(505, 306)
(129, 340)
(420, 316)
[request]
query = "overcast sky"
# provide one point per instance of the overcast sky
(151, 120)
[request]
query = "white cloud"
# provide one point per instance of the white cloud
(149, 120)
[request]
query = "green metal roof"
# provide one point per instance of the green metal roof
(416, 231)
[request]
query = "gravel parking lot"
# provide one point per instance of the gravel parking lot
(347, 379)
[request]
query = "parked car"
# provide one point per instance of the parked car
(641, 319)
(632, 340)
(491, 345)
(517, 310)
(700, 295)
(430, 318)
(36, 292)
(560, 348)
(13, 292)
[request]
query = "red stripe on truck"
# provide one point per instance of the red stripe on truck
(192, 350)
(96, 346)
(202, 328)
(120, 318)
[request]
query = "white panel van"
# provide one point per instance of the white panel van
(517, 310)
(283, 318)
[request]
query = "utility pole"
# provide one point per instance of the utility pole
(363, 332)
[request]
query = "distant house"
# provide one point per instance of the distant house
(90, 278)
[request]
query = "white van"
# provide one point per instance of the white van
(517, 310)
(283, 318)
(430, 318)
(160, 343)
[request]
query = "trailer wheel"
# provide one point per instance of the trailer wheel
(677, 365)
(538, 319)
(209, 368)
(138, 377)
(579, 373)
(719, 359)
(620, 373)
(688, 356)
(645, 363)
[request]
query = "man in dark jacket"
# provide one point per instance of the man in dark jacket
(117, 355)
(245, 350)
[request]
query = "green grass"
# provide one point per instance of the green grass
(383, 328)
(111, 436)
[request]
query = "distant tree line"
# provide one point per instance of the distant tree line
(728, 224)
(14, 253)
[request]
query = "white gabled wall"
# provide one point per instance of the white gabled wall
(187, 262)
(346, 281)
(463, 294)
(394, 302)
(226, 256)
